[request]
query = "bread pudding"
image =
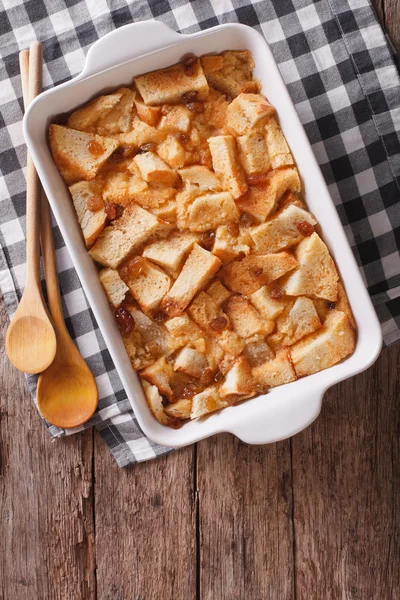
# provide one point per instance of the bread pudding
(191, 205)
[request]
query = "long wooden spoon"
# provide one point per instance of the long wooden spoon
(67, 395)
(30, 339)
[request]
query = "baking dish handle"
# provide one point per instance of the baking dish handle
(280, 422)
(125, 43)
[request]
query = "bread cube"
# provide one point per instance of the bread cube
(153, 168)
(160, 374)
(179, 410)
(204, 310)
(154, 338)
(211, 210)
(334, 341)
(277, 371)
(199, 267)
(248, 275)
(247, 113)
(149, 114)
(172, 152)
(239, 380)
(126, 234)
(201, 178)
(236, 74)
(261, 200)
(121, 188)
(92, 223)
(141, 134)
(211, 64)
(214, 115)
(300, 320)
(253, 153)
(184, 332)
(281, 231)
(155, 402)
(154, 196)
(218, 292)
(170, 253)
(232, 345)
(208, 401)
(119, 118)
(268, 307)
(278, 150)
(77, 154)
(245, 319)
(148, 287)
(176, 118)
(191, 362)
(316, 274)
(85, 118)
(227, 246)
(113, 285)
(226, 164)
(167, 86)
(166, 211)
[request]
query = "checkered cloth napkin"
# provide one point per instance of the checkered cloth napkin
(339, 69)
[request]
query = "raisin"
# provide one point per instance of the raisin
(189, 65)
(206, 377)
(207, 239)
(189, 96)
(219, 323)
(257, 271)
(246, 220)
(233, 229)
(136, 266)
(149, 147)
(305, 228)
(95, 148)
(276, 294)
(121, 153)
(160, 316)
(218, 376)
(125, 320)
(183, 138)
(195, 107)
(331, 305)
(257, 179)
(110, 210)
(95, 203)
(188, 392)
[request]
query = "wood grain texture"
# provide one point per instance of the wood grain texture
(392, 21)
(245, 520)
(145, 528)
(346, 477)
(47, 541)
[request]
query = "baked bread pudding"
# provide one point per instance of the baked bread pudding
(191, 205)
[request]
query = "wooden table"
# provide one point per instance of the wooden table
(316, 517)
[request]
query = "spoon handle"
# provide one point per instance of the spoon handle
(32, 183)
(46, 231)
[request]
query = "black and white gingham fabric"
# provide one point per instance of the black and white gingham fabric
(340, 71)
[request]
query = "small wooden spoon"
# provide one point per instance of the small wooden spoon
(30, 339)
(67, 394)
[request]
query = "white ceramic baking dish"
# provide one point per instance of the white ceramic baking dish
(113, 61)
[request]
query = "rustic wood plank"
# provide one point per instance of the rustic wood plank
(245, 520)
(145, 528)
(346, 478)
(47, 541)
(392, 21)
(380, 10)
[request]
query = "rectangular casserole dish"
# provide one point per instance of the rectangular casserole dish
(113, 61)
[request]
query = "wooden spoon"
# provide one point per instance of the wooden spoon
(30, 339)
(67, 394)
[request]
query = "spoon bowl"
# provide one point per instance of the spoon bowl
(30, 339)
(67, 394)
